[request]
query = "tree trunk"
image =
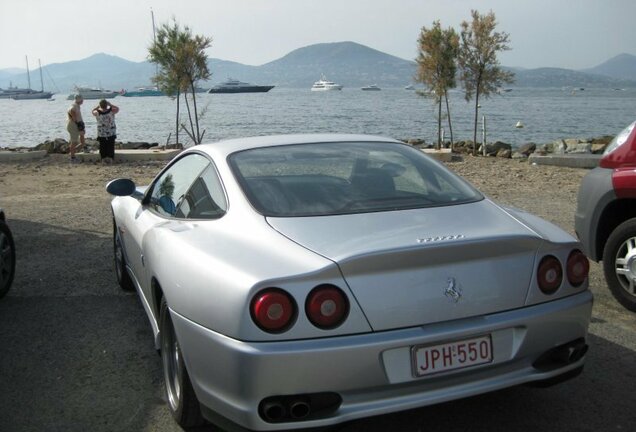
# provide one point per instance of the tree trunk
(177, 121)
(196, 115)
(476, 119)
(450, 124)
(191, 131)
(439, 122)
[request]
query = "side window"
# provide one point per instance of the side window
(205, 198)
(169, 190)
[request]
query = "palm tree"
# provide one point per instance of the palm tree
(182, 62)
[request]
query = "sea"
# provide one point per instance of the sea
(547, 114)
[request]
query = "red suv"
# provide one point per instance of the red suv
(605, 220)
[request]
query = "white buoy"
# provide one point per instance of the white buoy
(519, 125)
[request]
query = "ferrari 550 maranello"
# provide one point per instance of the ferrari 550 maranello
(305, 280)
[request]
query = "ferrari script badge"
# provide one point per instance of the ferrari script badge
(453, 291)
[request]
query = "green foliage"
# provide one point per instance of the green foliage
(437, 65)
(437, 57)
(182, 62)
(480, 71)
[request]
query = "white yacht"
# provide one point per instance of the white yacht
(92, 93)
(324, 85)
(236, 86)
(372, 87)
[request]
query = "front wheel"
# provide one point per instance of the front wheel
(619, 263)
(182, 401)
(7, 259)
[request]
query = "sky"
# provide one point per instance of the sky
(572, 34)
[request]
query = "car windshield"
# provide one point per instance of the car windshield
(342, 178)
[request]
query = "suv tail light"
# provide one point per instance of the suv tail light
(273, 310)
(326, 306)
(549, 274)
(578, 268)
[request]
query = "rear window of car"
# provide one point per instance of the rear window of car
(343, 178)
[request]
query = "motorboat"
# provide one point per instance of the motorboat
(409, 87)
(324, 85)
(143, 91)
(236, 86)
(372, 87)
(92, 93)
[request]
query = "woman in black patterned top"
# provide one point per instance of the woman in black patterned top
(106, 129)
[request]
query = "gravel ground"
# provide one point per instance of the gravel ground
(76, 352)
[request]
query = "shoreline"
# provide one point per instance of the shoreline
(569, 147)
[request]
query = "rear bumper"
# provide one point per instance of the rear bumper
(372, 372)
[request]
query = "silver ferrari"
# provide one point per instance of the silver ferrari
(305, 280)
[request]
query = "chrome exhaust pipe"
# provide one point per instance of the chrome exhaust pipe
(274, 411)
(299, 408)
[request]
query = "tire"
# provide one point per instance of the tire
(619, 263)
(123, 278)
(182, 402)
(7, 259)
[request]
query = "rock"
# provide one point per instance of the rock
(603, 140)
(570, 142)
(519, 155)
(504, 153)
(58, 145)
(494, 149)
(527, 149)
(558, 147)
(133, 145)
(415, 142)
(598, 148)
(579, 148)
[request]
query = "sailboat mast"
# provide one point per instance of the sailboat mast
(154, 37)
(41, 80)
(28, 73)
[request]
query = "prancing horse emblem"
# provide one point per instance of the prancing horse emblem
(453, 291)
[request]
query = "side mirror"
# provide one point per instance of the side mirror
(121, 187)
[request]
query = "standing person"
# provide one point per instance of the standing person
(106, 129)
(75, 125)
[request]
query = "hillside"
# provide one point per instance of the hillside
(348, 63)
(556, 77)
(623, 66)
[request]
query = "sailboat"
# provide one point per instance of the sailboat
(33, 94)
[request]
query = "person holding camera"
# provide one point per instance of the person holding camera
(106, 129)
(75, 126)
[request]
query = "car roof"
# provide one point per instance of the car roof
(226, 147)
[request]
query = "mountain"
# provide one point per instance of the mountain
(347, 63)
(556, 77)
(623, 66)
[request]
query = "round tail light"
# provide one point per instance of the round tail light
(549, 274)
(326, 306)
(578, 268)
(273, 310)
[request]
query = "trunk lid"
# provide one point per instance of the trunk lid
(414, 267)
